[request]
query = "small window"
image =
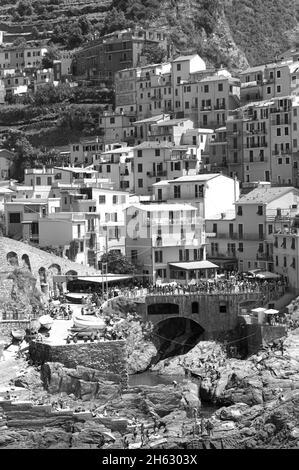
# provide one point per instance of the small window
(260, 210)
(222, 307)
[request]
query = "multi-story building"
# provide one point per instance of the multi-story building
(158, 161)
(102, 58)
(286, 253)
(16, 84)
(94, 221)
(269, 81)
(144, 127)
(22, 217)
(217, 94)
(24, 56)
(212, 194)
(260, 143)
(85, 151)
(117, 165)
(182, 68)
(217, 158)
(222, 241)
(259, 215)
(166, 241)
(117, 127)
(170, 130)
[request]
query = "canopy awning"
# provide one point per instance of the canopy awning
(267, 275)
(194, 265)
(104, 278)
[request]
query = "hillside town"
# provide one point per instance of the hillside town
(180, 136)
(166, 243)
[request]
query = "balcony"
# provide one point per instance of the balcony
(264, 256)
(281, 152)
(156, 174)
(282, 109)
(225, 254)
(206, 108)
(164, 241)
(280, 122)
(257, 132)
(226, 236)
(256, 145)
(219, 107)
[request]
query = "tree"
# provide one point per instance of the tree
(20, 41)
(35, 33)
(51, 55)
(154, 54)
(114, 21)
(85, 25)
(75, 37)
(24, 8)
(117, 263)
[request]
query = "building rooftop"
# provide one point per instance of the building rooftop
(195, 178)
(74, 169)
(155, 207)
(264, 195)
(182, 58)
(172, 122)
(152, 119)
(117, 150)
(154, 145)
(194, 265)
(215, 78)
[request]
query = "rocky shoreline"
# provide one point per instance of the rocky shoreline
(258, 402)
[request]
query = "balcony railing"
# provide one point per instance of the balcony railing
(226, 236)
(257, 145)
(155, 174)
(219, 107)
(226, 254)
(281, 122)
(257, 132)
(176, 241)
(264, 256)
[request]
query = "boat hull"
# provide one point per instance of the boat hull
(18, 334)
(89, 324)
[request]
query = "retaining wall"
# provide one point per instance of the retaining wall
(108, 357)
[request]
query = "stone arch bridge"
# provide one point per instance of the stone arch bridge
(215, 313)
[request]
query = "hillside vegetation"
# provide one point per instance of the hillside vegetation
(228, 32)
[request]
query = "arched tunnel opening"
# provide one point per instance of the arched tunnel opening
(175, 336)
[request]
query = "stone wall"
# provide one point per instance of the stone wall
(108, 357)
(256, 336)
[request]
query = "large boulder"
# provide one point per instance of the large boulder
(140, 359)
(232, 413)
(190, 392)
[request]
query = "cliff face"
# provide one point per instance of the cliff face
(233, 33)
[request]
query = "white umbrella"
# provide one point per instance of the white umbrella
(258, 310)
(272, 311)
